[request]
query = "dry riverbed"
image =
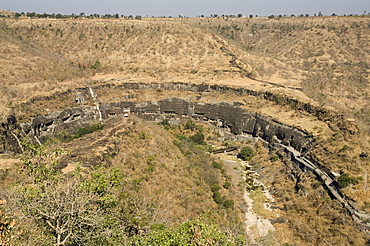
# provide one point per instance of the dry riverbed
(256, 199)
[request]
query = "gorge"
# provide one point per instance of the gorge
(228, 116)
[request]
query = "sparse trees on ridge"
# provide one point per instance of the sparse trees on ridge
(138, 17)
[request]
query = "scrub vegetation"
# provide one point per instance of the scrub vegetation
(132, 182)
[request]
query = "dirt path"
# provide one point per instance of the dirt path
(256, 225)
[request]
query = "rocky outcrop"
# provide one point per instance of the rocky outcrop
(68, 120)
(8, 138)
(321, 113)
(148, 110)
(224, 115)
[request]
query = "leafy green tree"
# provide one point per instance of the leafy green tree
(72, 209)
(246, 153)
(198, 138)
(190, 125)
(201, 231)
(31, 14)
(345, 180)
(164, 122)
(39, 163)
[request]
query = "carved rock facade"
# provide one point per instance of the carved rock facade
(223, 115)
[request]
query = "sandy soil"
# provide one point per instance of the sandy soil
(257, 226)
(7, 162)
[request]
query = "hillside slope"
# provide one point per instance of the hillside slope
(45, 55)
(327, 57)
(324, 62)
(331, 54)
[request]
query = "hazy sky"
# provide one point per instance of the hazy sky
(188, 7)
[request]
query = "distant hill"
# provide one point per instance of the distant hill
(6, 13)
(325, 57)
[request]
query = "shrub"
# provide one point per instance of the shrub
(151, 164)
(217, 165)
(215, 187)
(227, 185)
(65, 137)
(278, 98)
(344, 148)
(201, 231)
(217, 198)
(228, 203)
(190, 125)
(164, 122)
(87, 130)
(198, 138)
(246, 153)
(96, 65)
(345, 180)
(274, 158)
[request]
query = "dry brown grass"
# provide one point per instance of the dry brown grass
(174, 184)
(331, 53)
(52, 52)
(327, 57)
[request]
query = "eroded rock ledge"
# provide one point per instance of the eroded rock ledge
(231, 116)
(223, 115)
(319, 112)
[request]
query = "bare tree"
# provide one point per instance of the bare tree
(70, 211)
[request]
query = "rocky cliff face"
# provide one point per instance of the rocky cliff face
(68, 120)
(224, 115)
(8, 137)
(319, 112)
